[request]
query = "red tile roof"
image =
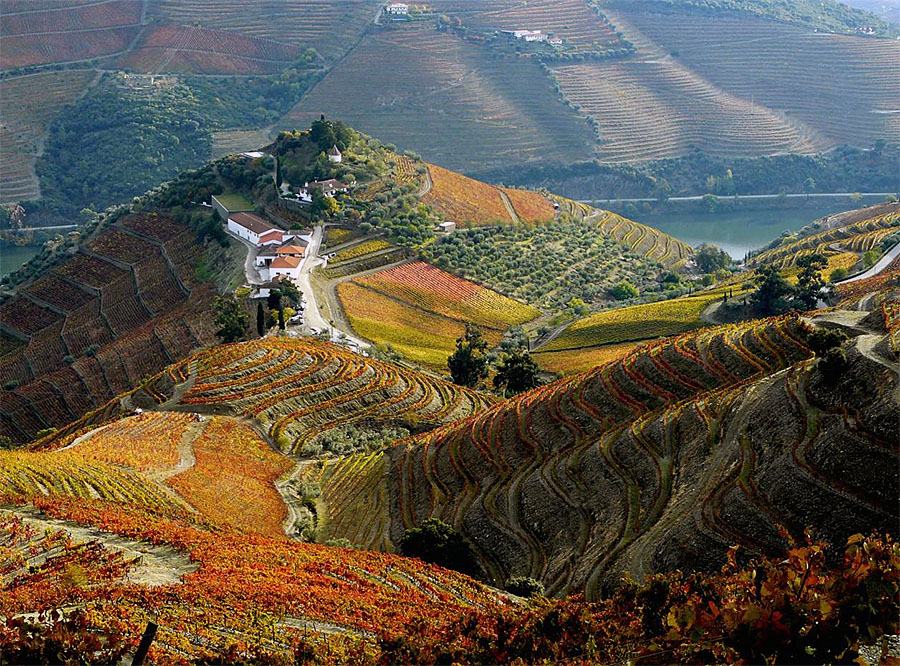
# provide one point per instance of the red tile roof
(271, 235)
(252, 222)
(290, 249)
(286, 262)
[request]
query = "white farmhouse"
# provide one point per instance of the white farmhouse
(288, 267)
(397, 9)
(253, 228)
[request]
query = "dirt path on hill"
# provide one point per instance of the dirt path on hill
(186, 457)
(427, 187)
(509, 207)
(156, 565)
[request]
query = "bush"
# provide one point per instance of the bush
(833, 364)
(623, 291)
(437, 542)
(522, 586)
(823, 339)
(837, 275)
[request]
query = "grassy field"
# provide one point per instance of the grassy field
(420, 311)
(574, 361)
(234, 202)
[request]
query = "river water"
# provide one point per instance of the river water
(737, 232)
(11, 258)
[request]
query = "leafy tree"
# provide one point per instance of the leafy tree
(322, 206)
(710, 258)
(260, 319)
(281, 318)
(273, 302)
(468, 365)
(516, 372)
(810, 282)
(869, 258)
(230, 318)
(437, 542)
(809, 185)
(624, 290)
(773, 292)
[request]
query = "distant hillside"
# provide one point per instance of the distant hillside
(656, 462)
(619, 82)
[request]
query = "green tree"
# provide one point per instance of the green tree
(230, 318)
(322, 206)
(516, 372)
(809, 185)
(709, 258)
(833, 363)
(260, 319)
(773, 292)
(869, 258)
(437, 542)
(624, 290)
(810, 282)
(468, 365)
(281, 318)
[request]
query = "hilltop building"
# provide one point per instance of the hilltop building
(527, 35)
(397, 9)
(334, 155)
(328, 187)
(283, 261)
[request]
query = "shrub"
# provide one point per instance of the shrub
(522, 586)
(833, 363)
(837, 275)
(821, 340)
(437, 542)
(623, 291)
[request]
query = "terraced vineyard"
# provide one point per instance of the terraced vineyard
(652, 109)
(121, 310)
(464, 200)
(128, 544)
(636, 323)
(780, 66)
(328, 27)
(654, 462)
(858, 235)
(78, 32)
(432, 85)
(573, 21)
(421, 310)
(27, 104)
(190, 49)
(643, 240)
(300, 390)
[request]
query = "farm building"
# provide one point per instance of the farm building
(288, 267)
(447, 227)
(253, 228)
(334, 155)
(397, 9)
(328, 187)
(228, 204)
(527, 35)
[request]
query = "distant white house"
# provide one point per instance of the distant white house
(555, 41)
(447, 227)
(253, 228)
(528, 35)
(334, 155)
(328, 187)
(253, 154)
(397, 9)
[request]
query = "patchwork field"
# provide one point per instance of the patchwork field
(420, 311)
(190, 49)
(78, 32)
(27, 105)
(448, 100)
(328, 26)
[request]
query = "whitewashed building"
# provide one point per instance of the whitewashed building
(397, 9)
(253, 228)
(334, 155)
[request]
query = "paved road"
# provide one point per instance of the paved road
(250, 272)
(879, 266)
(742, 197)
(312, 316)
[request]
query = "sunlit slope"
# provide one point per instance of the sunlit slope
(659, 461)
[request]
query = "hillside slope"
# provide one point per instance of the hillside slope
(113, 310)
(659, 461)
